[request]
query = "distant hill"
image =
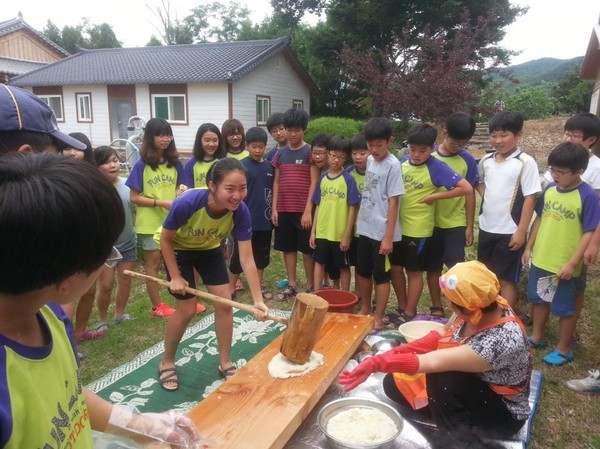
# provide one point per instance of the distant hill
(531, 73)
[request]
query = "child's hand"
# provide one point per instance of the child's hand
(178, 285)
(312, 241)
(526, 257)
(566, 272)
(516, 241)
(386, 246)
(427, 200)
(469, 236)
(306, 220)
(182, 188)
(275, 218)
(345, 244)
(590, 256)
(260, 310)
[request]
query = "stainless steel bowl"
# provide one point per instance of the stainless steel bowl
(334, 407)
(385, 345)
(360, 356)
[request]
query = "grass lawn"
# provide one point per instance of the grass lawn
(563, 419)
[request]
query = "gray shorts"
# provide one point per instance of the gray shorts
(129, 255)
(147, 242)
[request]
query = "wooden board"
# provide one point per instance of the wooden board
(253, 410)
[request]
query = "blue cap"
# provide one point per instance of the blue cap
(21, 110)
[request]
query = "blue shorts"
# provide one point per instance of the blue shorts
(129, 255)
(210, 265)
(563, 303)
(147, 242)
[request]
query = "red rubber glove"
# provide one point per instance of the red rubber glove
(423, 345)
(385, 363)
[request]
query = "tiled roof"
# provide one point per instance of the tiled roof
(194, 63)
(14, 67)
(16, 24)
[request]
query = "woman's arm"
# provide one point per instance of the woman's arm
(177, 284)
(249, 268)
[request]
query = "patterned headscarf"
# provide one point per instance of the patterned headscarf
(472, 286)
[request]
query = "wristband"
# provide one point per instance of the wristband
(154, 202)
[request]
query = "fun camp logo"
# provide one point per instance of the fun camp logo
(161, 180)
(557, 211)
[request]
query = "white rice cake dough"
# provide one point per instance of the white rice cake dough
(361, 425)
(281, 367)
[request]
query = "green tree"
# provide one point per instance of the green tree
(573, 94)
(533, 102)
(218, 22)
(84, 35)
(102, 36)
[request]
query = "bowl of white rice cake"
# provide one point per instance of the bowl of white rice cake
(356, 423)
(415, 329)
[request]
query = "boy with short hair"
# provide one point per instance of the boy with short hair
(43, 402)
(259, 175)
(277, 131)
(319, 151)
(423, 177)
(294, 182)
(568, 212)
(509, 182)
(360, 153)
(455, 217)
(336, 198)
(378, 223)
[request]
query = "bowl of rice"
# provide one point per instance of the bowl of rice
(356, 423)
(415, 329)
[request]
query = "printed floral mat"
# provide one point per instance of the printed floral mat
(135, 384)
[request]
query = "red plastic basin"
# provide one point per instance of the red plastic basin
(340, 301)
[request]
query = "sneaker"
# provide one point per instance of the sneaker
(162, 310)
(590, 384)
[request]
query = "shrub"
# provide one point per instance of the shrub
(333, 125)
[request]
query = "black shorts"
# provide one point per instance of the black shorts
(410, 253)
(210, 265)
(329, 254)
(353, 251)
(371, 264)
(289, 235)
(261, 250)
(447, 246)
(493, 251)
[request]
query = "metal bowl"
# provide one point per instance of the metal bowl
(362, 355)
(334, 407)
(385, 345)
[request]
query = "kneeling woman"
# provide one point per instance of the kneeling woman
(475, 371)
(191, 240)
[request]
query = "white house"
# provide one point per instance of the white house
(96, 91)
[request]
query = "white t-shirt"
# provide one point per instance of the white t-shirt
(590, 176)
(506, 183)
(383, 180)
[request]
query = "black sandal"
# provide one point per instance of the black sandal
(286, 293)
(392, 317)
(437, 311)
(172, 377)
(228, 373)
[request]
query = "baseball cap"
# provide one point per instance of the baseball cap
(21, 110)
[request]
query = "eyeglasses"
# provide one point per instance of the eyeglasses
(235, 135)
(338, 157)
(558, 172)
(114, 258)
(571, 135)
(319, 153)
(458, 143)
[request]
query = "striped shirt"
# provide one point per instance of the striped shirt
(294, 178)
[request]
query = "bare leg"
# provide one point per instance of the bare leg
(152, 261)
(223, 325)
(83, 311)
(539, 314)
(105, 286)
(365, 292)
(382, 295)
(415, 288)
(290, 259)
(123, 287)
(567, 328)
(233, 278)
(508, 290)
(309, 269)
(399, 284)
(433, 282)
(319, 274)
(345, 278)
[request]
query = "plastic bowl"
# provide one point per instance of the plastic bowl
(332, 408)
(416, 329)
(340, 301)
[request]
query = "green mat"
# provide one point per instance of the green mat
(135, 384)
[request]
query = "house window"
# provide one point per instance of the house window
(263, 110)
(298, 104)
(56, 104)
(84, 107)
(169, 107)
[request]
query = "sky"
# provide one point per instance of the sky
(551, 28)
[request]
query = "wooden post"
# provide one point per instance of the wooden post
(303, 329)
